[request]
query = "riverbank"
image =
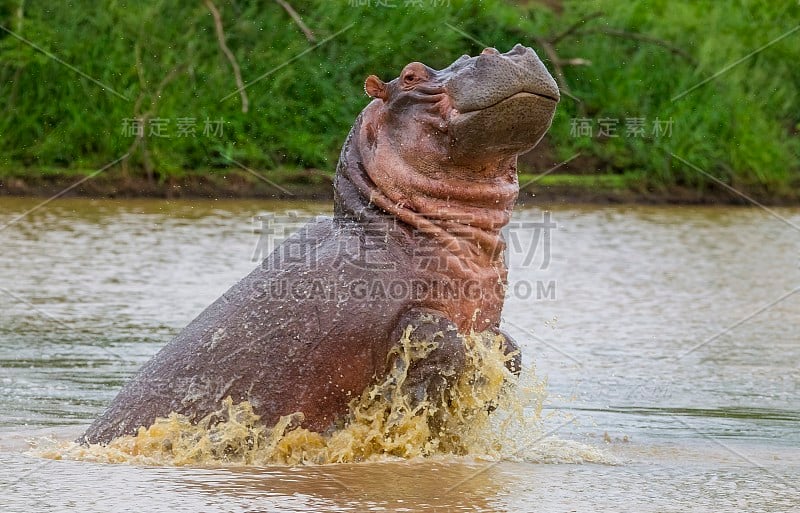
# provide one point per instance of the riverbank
(314, 184)
(673, 90)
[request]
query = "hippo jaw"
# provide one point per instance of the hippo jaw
(502, 103)
(478, 111)
(510, 127)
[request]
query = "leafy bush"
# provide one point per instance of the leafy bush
(164, 58)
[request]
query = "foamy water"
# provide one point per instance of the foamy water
(489, 413)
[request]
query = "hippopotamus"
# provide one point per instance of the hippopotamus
(425, 182)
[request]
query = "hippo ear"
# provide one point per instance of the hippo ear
(375, 87)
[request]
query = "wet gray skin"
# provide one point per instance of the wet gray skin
(475, 83)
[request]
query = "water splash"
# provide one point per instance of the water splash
(489, 413)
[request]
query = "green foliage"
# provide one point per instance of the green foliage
(738, 126)
(164, 59)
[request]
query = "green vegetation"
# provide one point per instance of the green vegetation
(598, 181)
(164, 64)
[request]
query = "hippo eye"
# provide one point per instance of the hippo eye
(409, 78)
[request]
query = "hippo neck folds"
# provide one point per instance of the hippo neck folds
(438, 149)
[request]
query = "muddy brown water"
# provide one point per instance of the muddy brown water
(670, 338)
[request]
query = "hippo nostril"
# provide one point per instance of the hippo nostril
(490, 51)
(518, 49)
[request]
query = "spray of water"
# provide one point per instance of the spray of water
(489, 413)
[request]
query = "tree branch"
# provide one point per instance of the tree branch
(573, 28)
(237, 74)
(554, 59)
(296, 17)
(575, 61)
(549, 43)
(20, 16)
(142, 117)
(647, 39)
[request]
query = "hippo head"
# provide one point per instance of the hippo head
(469, 117)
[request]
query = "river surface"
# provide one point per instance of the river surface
(669, 336)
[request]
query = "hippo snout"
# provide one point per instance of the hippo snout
(502, 103)
(480, 82)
